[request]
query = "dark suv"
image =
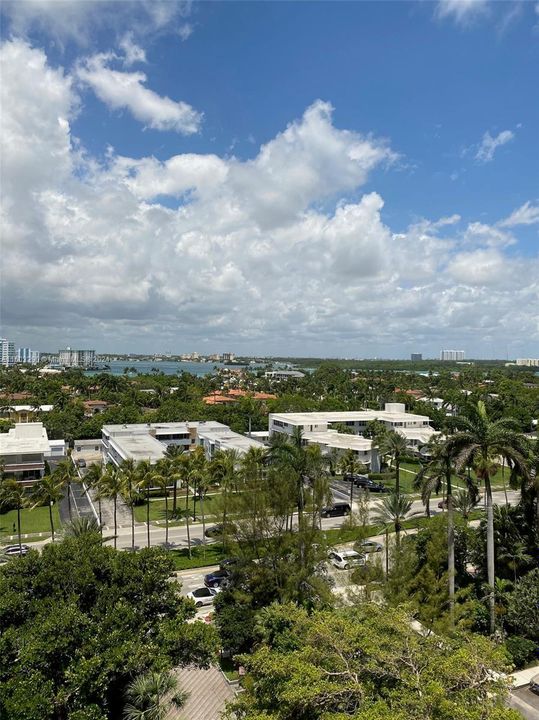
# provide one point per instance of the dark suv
(336, 510)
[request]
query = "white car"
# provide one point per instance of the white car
(345, 559)
(16, 550)
(203, 596)
(368, 546)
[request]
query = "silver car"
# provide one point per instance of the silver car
(16, 550)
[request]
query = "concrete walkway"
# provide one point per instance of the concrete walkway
(523, 677)
(208, 692)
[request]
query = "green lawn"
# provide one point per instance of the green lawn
(201, 556)
(213, 508)
(32, 521)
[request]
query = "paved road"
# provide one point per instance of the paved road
(525, 702)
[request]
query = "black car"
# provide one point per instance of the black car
(362, 481)
(217, 578)
(377, 488)
(336, 510)
(228, 563)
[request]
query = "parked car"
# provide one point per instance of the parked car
(336, 510)
(534, 684)
(377, 488)
(442, 504)
(81, 462)
(217, 578)
(369, 546)
(16, 550)
(203, 596)
(219, 529)
(362, 481)
(345, 559)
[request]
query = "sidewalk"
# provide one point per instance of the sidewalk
(523, 677)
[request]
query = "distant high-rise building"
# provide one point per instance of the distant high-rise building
(528, 362)
(7, 352)
(416, 357)
(25, 355)
(228, 357)
(452, 355)
(76, 358)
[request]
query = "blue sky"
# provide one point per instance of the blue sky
(400, 214)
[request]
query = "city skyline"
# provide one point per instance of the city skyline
(310, 179)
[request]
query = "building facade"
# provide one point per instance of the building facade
(452, 355)
(7, 352)
(76, 358)
(416, 357)
(27, 356)
(24, 450)
(528, 362)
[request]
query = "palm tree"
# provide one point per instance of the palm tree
(350, 464)
(146, 473)
(111, 486)
(437, 473)
(129, 472)
(92, 480)
(66, 473)
(289, 453)
(393, 444)
(480, 444)
(173, 453)
(394, 511)
(83, 527)
(151, 696)
(161, 480)
(464, 501)
(12, 495)
(47, 491)
(223, 469)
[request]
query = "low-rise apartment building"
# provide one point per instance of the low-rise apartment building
(24, 450)
(150, 441)
(415, 428)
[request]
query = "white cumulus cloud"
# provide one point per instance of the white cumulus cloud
(461, 11)
(126, 90)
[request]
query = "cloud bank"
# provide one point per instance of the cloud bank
(282, 253)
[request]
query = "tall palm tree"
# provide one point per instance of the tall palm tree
(349, 463)
(481, 444)
(151, 696)
(173, 453)
(66, 473)
(111, 486)
(224, 470)
(161, 479)
(289, 453)
(129, 472)
(146, 473)
(432, 477)
(393, 444)
(47, 491)
(394, 510)
(92, 480)
(13, 495)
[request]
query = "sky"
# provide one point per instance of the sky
(329, 179)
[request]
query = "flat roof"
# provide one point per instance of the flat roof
(342, 441)
(139, 447)
(319, 418)
(144, 428)
(230, 438)
(24, 438)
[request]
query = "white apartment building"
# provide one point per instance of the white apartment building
(452, 355)
(7, 352)
(149, 442)
(528, 362)
(27, 356)
(76, 358)
(341, 443)
(283, 374)
(24, 449)
(415, 428)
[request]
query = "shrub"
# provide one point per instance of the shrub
(521, 650)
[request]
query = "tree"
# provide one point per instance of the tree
(12, 495)
(481, 443)
(152, 695)
(130, 477)
(92, 480)
(145, 474)
(65, 472)
(111, 486)
(393, 510)
(174, 454)
(367, 664)
(79, 621)
(350, 464)
(523, 606)
(47, 491)
(393, 444)
(161, 480)
(224, 471)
